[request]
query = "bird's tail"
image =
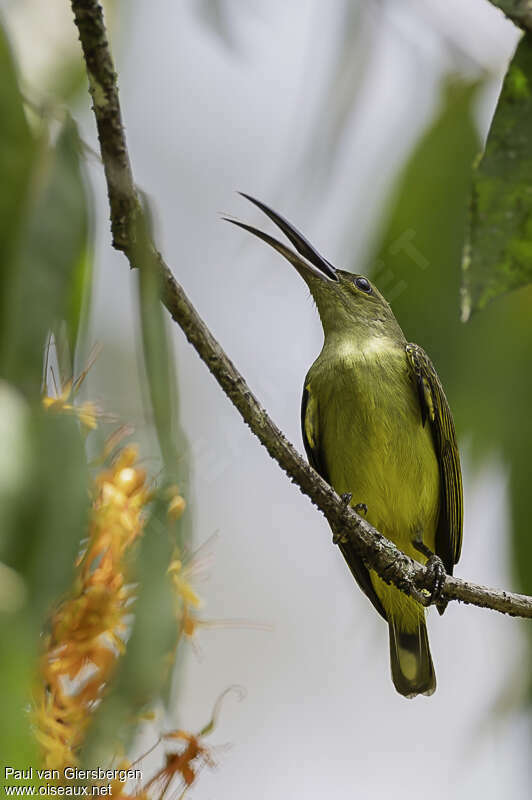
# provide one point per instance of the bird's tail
(412, 667)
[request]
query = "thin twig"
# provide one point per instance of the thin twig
(377, 552)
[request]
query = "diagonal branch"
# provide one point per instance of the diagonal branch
(377, 552)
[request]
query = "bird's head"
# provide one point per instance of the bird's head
(348, 304)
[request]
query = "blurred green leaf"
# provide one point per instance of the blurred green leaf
(17, 663)
(17, 657)
(48, 513)
(55, 517)
(158, 356)
(43, 472)
(498, 253)
(418, 254)
(17, 153)
(80, 275)
(44, 503)
(77, 308)
(50, 268)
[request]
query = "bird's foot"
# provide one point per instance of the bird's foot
(436, 572)
(339, 537)
(360, 508)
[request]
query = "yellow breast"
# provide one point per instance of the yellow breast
(364, 412)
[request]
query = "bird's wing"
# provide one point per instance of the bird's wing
(435, 409)
(311, 439)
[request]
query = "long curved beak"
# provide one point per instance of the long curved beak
(308, 260)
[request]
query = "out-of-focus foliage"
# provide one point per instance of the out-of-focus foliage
(498, 254)
(422, 239)
(46, 505)
(43, 471)
(44, 242)
(17, 151)
(158, 354)
(484, 365)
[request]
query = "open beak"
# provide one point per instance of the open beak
(308, 260)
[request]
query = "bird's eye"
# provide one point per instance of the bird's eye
(363, 284)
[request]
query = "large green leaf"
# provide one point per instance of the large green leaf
(17, 153)
(417, 265)
(43, 492)
(50, 264)
(498, 253)
(157, 349)
(16, 630)
(43, 480)
(44, 502)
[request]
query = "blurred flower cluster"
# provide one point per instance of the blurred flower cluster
(88, 629)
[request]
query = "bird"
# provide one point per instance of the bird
(377, 426)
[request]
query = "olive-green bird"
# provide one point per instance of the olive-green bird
(377, 426)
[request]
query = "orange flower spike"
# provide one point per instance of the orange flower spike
(88, 628)
(129, 479)
(127, 457)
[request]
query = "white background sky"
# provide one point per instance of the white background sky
(321, 718)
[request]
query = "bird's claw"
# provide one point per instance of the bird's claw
(436, 575)
(339, 537)
(360, 508)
